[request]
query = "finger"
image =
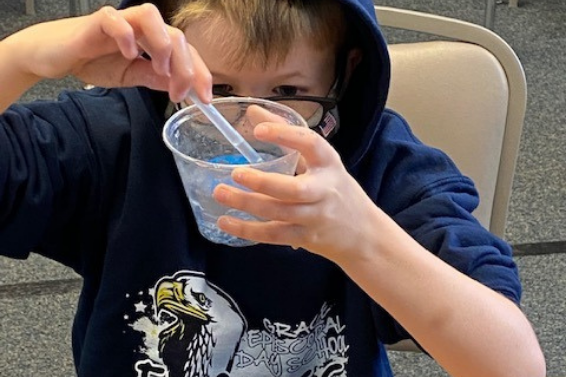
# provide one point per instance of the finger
(263, 206)
(257, 114)
(117, 28)
(269, 232)
(202, 82)
(301, 165)
(295, 189)
(141, 73)
(152, 35)
(188, 71)
(182, 69)
(316, 151)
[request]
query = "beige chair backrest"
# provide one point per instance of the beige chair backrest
(466, 96)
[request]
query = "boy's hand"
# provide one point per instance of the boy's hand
(313, 210)
(104, 49)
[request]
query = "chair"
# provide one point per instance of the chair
(465, 95)
(490, 12)
(30, 7)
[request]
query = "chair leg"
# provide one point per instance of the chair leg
(84, 6)
(79, 7)
(30, 7)
(489, 14)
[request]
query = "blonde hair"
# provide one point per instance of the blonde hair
(267, 28)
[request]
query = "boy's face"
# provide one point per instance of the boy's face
(304, 72)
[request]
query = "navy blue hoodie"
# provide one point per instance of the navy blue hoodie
(87, 181)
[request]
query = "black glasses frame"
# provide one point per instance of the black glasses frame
(327, 103)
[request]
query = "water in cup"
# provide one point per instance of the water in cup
(205, 158)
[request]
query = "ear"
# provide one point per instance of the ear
(352, 60)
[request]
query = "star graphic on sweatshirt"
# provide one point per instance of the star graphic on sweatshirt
(140, 307)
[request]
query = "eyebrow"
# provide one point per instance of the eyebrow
(283, 76)
(292, 74)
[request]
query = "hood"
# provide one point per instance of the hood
(364, 100)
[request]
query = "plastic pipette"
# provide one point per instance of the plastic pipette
(227, 130)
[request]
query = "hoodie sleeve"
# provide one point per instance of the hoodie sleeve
(427, 196)
(49, 178)
(46, 176)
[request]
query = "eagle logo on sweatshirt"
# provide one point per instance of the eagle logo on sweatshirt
(196, 317)
(193, 328)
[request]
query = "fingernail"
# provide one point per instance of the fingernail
(239, 175)
(223, 222)
(221, 194)
(208, 96)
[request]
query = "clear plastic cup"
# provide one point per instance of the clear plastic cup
(205, 158)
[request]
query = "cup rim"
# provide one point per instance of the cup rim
(182, 112)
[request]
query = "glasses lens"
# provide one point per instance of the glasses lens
(311, 111)
(232, 112)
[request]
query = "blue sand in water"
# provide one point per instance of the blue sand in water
(231, 159)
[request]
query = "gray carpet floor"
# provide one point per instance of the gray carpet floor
(38, 297)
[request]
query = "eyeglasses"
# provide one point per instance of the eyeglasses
(315, 110)
(320, 113)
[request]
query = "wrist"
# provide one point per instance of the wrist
(369, 243)
(384, 250)
(17, 60)
(14, 79)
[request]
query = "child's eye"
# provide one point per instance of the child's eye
(221, 89)
(286, 90)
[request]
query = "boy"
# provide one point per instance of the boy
(371, 242)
